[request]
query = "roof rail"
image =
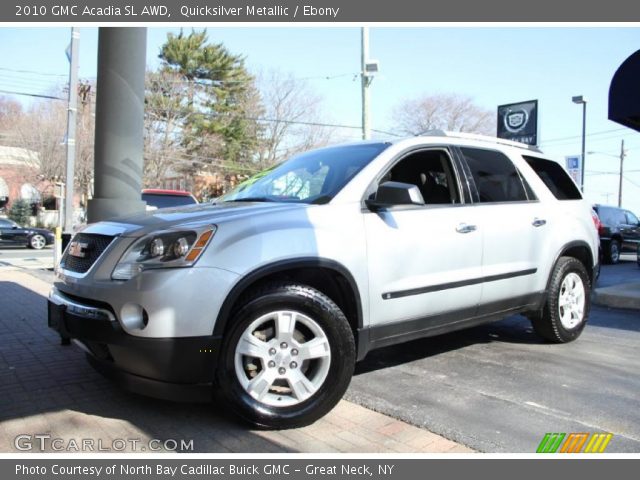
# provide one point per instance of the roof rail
(480, 138)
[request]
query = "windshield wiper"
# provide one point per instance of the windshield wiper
(251, 199)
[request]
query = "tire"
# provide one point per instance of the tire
(37, 242)
(563, 319)
(612, 252)
(293, 391)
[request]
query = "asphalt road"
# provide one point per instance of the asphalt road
(499, 388)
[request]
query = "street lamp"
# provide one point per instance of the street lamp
(581, 100)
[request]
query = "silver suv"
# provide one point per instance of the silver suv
(271, 294)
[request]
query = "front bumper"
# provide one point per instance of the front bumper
(180, 368)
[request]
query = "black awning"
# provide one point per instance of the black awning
(624, 93)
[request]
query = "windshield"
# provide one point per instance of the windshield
(312, 177)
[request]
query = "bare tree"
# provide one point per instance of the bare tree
(290, 108)
(166, 109)
(42, 130)
(10, 112)
(444, 112)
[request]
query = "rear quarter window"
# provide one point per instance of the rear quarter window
(555, 178)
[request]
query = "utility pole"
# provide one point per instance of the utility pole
(366, 81)
(622, 155)
(71, 129)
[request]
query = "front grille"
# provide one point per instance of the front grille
(95, 245)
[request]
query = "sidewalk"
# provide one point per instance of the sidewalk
(49, 389)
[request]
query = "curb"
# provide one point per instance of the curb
(626, 295)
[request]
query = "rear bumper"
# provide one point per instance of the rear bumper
(180, 368)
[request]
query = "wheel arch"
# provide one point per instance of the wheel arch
(581, 251)
(328, 276)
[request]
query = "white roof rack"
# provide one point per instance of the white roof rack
(480, 138)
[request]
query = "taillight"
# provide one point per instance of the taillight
(596, 221)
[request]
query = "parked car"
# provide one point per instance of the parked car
(272, 293)
(13, 234)
(619, 232)
(157, 198)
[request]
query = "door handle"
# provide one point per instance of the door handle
(538, 222)
(464, 228)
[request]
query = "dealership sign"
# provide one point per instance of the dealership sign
(574, 167)
(519, 122)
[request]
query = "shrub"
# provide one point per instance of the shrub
(20, 212)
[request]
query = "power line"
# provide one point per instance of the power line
(34, 72)
(580, 136)
(32, 95)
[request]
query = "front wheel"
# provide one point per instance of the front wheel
(37, 242)
(288, 357)
(566, 309)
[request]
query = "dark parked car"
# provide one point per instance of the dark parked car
(157, 198)
(619, 232)
(13, 234)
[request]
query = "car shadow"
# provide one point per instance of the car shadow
(47, 388)
(515, 329)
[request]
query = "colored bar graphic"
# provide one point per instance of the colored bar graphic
(574, 442)
(550, 442)
(598, 443)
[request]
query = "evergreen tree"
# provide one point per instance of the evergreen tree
(220, 97)
(20, 212)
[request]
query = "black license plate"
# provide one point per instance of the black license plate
(55, 317)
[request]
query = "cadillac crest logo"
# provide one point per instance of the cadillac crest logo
(515, 120)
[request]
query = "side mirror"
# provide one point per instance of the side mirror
(390, 194)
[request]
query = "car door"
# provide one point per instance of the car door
(8, 231)
(515, 229)
(630, 231)
(423, 261)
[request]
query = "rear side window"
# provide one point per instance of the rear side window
(631, 218)
(496, 177)
(555, 178)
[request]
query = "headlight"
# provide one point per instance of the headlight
(166, 249)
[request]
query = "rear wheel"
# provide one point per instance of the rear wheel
(288, 357)
(612, 252)
(566, 309)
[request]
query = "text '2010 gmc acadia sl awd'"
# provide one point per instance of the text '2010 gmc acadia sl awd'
(270, 294)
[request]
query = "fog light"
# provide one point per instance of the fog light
(133, 316)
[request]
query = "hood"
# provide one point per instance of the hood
(140, 224)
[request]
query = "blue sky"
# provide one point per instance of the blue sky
(493, 65)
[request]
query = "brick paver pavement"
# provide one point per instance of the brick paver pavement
(47, 389)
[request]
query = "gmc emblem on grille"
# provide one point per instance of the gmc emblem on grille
(78, 249)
